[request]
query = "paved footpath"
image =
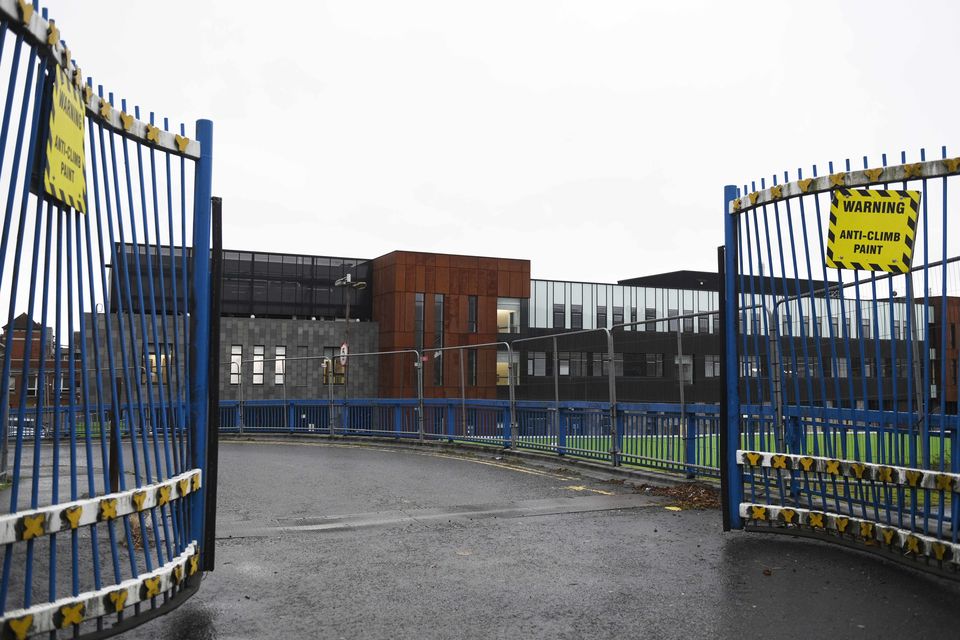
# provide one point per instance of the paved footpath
(350, 541)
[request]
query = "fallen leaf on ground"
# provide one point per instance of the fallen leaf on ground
(693, 495)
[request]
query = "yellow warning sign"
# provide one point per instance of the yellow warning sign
(64, 174)
(872, 229)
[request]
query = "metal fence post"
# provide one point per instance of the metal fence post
(612, 382)
(690, 440)
(200, 318)
(556, 393)
(327, 365)
(514, 426)
(463, 394)
(561, 432)
(419, 366)
(451, 421)
(240, 396)
(730, 474)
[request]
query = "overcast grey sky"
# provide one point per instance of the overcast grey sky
(593, 138)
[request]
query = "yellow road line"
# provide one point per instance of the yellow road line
(579, 487)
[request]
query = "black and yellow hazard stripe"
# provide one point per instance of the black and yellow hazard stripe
(855, 470)
(24, 526)
(870, 534)
(71, 612)
(913, 208)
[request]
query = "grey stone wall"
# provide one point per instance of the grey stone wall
(306, 342)
(128, 361)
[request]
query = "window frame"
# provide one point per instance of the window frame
(236, 358)
(279, 364)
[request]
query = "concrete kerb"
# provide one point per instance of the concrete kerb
(545, 461)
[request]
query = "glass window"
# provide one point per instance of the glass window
(649, 314)
(576, 316)
(559, 316)
(508, 315)
(236, 363)
(711, 366)
(685, 365)
(32, 386)
(617, 365)
(601, 316)
(158, 366)
(801, 368)
(617, 315)
(504, 369)
(750, 367)
(471, 314)
(279, 365)
(258, 364)
(438, 339)
(865, 329)
(539, 303)
(563, 363)
(688, 322)
(840, 368)
(418, 321)
(578, 363)
(654, 365)
(536, 363)
(703, 324)
(472, 367)
(673, 325)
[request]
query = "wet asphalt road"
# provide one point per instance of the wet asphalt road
(321, 541)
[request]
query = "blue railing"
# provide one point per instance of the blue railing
(657, 435)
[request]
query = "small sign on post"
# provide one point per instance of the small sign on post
(344, 351)
(872, 229)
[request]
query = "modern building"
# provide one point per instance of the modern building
(286, 318)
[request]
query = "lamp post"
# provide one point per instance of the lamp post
(350, 283)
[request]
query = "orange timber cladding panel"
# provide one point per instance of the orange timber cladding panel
(399, 275)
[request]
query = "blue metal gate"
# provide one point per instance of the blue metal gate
(105, 281)
(841, 373)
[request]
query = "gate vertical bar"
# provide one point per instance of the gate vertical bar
(730, 429)
(213, 409)
(200, 320)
